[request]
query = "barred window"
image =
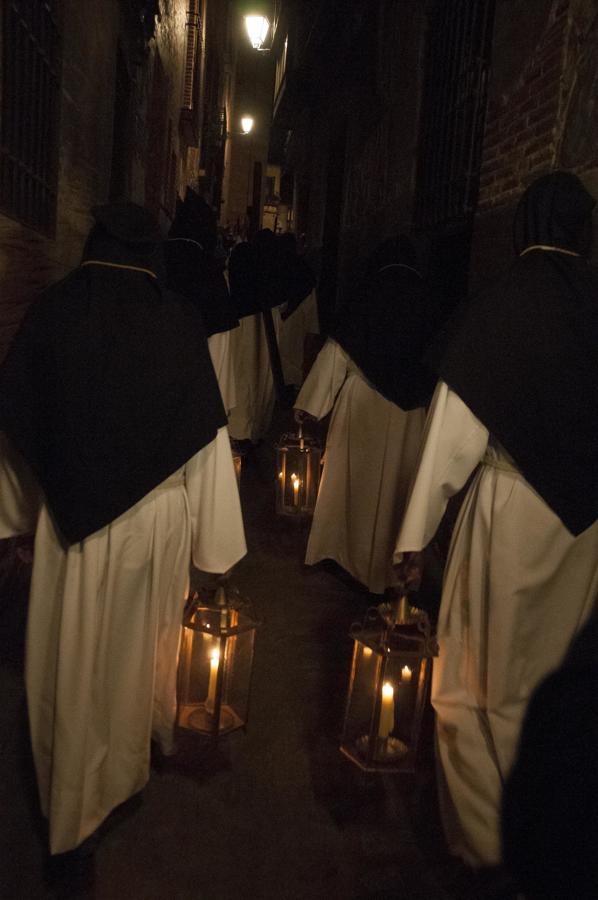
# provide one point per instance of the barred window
(29, 113)
(454, 104)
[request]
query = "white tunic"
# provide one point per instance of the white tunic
(371, 451)
(103, 633)
(517, 587)
(251, 416)
(291, 340)
(221, 353)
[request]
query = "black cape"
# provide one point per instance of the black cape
(388, 324)
(192, 267)
(296, 278)
(523, 354)
(550, 800)
(108, 387)
(268, 272)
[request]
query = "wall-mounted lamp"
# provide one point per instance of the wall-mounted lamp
(257, 29)
(246, 124)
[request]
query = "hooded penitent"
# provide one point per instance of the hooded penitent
(108, 387)
(386, 326)
(193, 269)
(523, 354)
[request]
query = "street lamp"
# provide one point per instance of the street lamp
(257, 29)
(246, 124)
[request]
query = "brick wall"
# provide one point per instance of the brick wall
(521, 121)
(542, 96)
(30, 261)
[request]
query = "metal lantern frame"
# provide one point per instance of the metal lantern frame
(390, 679)
(299, 468)
(213, 627)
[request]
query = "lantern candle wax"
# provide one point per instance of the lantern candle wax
(214, 663)
(296, 484)
(387, 713)
(406, 674)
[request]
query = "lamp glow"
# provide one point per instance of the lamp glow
(257, 29)
(246, 124)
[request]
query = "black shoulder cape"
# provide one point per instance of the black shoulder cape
(296, 278)
(242, 273)
(108, 387)
(523, 355)
(192, 268)
(387, 325)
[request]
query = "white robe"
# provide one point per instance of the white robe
(221, 353)
(517, 587)
(291, 340)
(103, 632)
(371, 452)
(251, 416)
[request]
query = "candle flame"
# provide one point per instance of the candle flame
(367, 651)
(388, 690)
(406, 673)
(215, 654)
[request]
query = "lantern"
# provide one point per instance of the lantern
(388, 688)
(257, 29)
(298, 467)
(215, 663)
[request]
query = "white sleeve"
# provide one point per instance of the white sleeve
(324, 381)
(453, 443)
(221, 355)
(20, 496)
(218, 536)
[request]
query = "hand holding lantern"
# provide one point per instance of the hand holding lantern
(409, 571)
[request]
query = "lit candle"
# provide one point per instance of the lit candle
(296, 484)
(367, 651)
(214, 663)
(406, 674)
(387, 710)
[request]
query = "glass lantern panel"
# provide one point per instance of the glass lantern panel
(361, 699)
(215, 672)
(298, 479)
(199, 664)
(237, 680)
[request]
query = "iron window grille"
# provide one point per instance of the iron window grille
(458, 52)
(189, 81)
(31, 55)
